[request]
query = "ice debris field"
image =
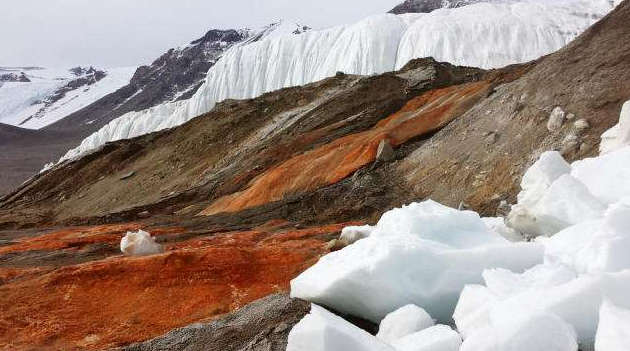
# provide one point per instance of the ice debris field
(554, 276)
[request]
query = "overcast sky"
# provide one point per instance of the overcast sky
(120, 33)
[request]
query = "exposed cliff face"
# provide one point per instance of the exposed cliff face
(250, 194)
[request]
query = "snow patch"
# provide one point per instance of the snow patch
(585, 263)
(556, 195)
(321, 330)
(350, 235)
(430, 255)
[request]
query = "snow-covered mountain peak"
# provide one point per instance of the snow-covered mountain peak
(43, 96)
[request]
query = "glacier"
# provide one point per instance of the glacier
(23, 104)
(486, 35)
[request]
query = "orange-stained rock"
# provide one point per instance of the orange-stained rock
(8, 274)
(121, 300)
(340, 158)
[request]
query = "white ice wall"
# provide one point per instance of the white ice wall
(483, 35)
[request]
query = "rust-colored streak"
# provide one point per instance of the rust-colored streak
(121, 300)
(340, 158)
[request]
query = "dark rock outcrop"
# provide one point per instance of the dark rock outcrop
(14, 77)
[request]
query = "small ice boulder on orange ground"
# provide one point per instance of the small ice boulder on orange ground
(140, 243)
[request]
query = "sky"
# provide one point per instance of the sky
(125, 33)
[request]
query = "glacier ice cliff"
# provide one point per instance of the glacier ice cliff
(487, 35)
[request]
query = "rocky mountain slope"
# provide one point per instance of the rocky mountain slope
(247, 196)
(10, 75)
(175, 75)
(81, 102)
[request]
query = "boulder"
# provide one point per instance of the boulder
(261, 325)
(385, 151)
(556, 119)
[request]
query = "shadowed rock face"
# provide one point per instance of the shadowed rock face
(247, 196)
